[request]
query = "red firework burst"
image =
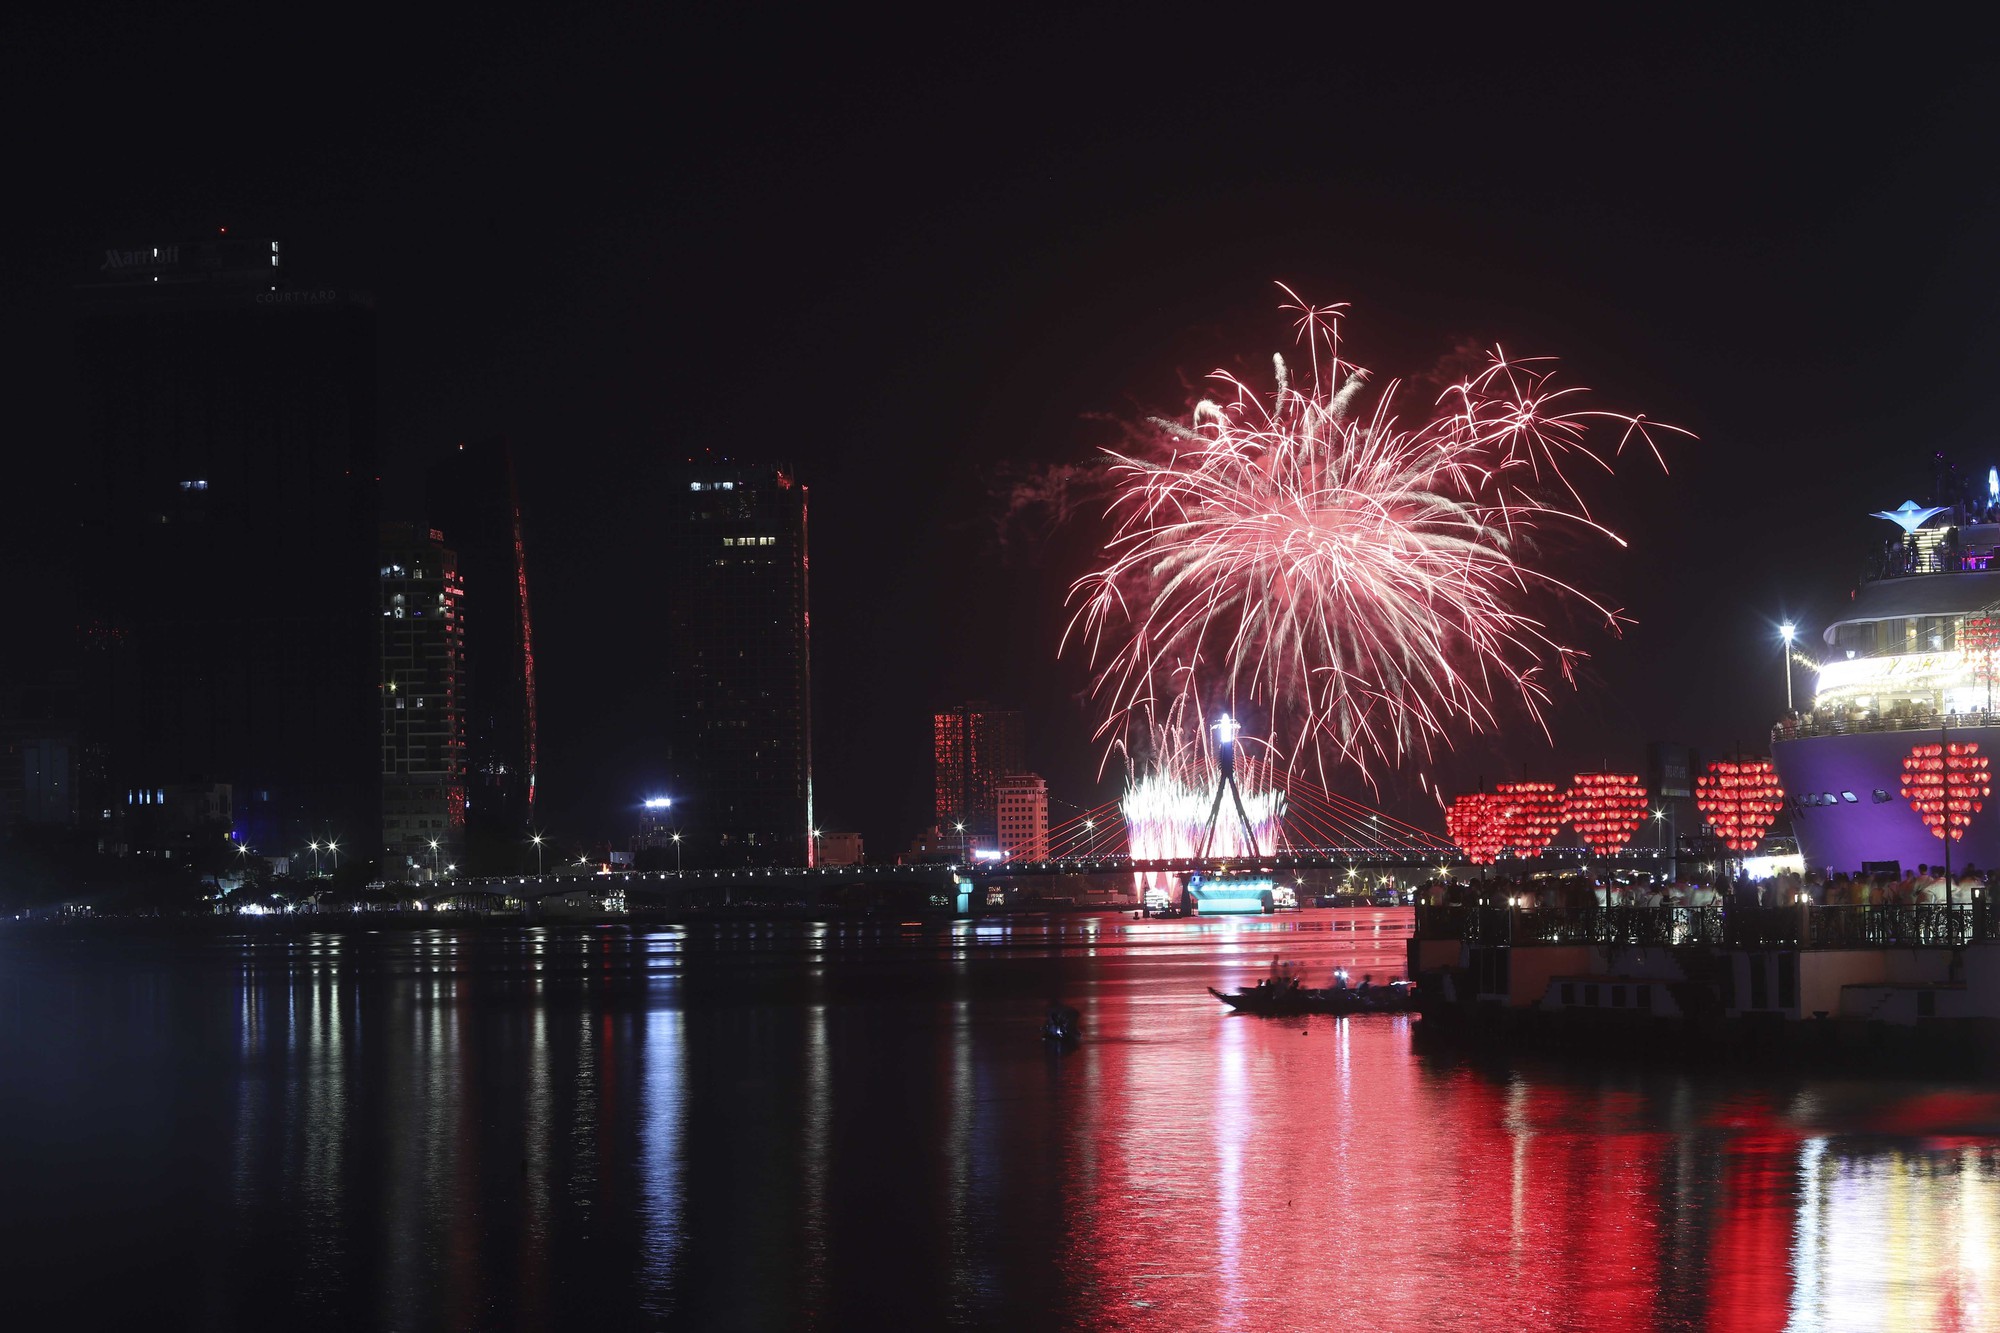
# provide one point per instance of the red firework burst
(1371, 586)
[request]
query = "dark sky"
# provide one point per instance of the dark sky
(903, 253)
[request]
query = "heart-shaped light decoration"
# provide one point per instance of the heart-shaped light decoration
(1605, 809)
(1740, 798)
(1473, 821)
(1947, 784)
(1529, 814)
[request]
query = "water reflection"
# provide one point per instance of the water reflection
(842, 1126)
(663, 1112)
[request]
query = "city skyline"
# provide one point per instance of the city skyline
(916, 317)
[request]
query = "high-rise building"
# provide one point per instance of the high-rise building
(423, 723)
(1021, 801)
(471, 498)
(973, 746)
(227, 538)
(739, 681)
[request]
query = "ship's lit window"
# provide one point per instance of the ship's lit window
(1850, 798)
(1828, 799)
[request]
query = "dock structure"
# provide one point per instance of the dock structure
(1899, 964)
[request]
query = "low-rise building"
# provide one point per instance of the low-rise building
(1022, 805)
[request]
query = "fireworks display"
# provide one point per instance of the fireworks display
(1368, 586)
(1167, 802)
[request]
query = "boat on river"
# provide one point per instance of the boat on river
(1285, 995)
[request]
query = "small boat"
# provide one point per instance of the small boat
(1284, 995)
(1063, 1026)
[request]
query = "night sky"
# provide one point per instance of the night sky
(907, 254)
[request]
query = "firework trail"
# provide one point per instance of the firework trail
(1372, 587)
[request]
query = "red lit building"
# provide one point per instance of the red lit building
(973, 746)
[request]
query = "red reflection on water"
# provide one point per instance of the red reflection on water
(1242, 1173)
(1750, 1277)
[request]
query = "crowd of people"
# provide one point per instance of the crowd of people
(1926, 884)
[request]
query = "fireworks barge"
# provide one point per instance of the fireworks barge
(1911, 986)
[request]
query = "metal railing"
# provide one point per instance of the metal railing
(1925, 721)
(1914, 925)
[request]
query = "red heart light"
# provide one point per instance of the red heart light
(1947, 784)
(1528, 814)
(1740, 798)
(1473, 821)
(1605, 809)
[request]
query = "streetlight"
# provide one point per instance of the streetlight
(677, 853)
(537, 840)
(964, 850)
(434, 860)
(1090, 843)
(1788, 631)
(334, 847)
(315, 849)
(815, 837)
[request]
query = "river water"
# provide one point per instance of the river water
(795, 1126)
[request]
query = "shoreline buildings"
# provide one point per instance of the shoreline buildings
(473, 502)
(973, 746)
(738, 716)
(423, 719)
(1021, 802)
(228, 535)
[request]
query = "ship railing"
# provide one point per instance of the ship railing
(1925, 721)
(1887, 926)
(1900, 925)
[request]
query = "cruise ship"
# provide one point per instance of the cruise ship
(1909, 661)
